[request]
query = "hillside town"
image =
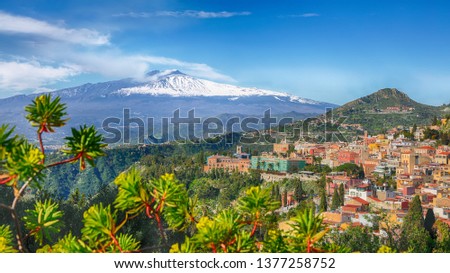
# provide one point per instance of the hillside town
(394, 169)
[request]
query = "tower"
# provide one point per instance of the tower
(239, 149)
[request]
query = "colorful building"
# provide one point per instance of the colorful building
(277, 164)
(348, 157)
(363, 191)
(281, 148)
(240, 163)
(442, 158)
(337, 179)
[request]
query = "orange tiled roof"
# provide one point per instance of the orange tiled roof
(427, 148)
(360, 200)
(349, 208)
(374, 199)
(352, 206)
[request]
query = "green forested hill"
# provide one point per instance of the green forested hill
(387, 108)
(63, 180)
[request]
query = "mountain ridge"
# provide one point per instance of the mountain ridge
(176, 83)
(159, 96)
(387, 108)
(383, 97)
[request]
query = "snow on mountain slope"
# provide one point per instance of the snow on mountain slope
(159, 96)
(177, 84)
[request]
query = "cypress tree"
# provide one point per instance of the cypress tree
(298, 192)
(341, 194)
(435, 121)
(276, 195)
(285, 197)
(414, 217)
(414, 237)
(361, 173)
(430, 219)
(322, 182)
(280, 196)
(323, 201)
(336, 200)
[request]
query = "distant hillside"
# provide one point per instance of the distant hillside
(159, 96)
(385, 109)
(384, 101)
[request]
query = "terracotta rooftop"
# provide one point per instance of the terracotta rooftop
(374, 199)
(360, 200)
(348, 208)
(427, 148)
(331, 217)
(352, 206)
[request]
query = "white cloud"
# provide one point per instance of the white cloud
(26, 25)
(186, 13)
(133, 14)
(202, 14)
(23, 76)
(117, 65)
(59, 59)
(302, 15)
(309, 15)
(110, 64)
(195, 69)
(20, 76)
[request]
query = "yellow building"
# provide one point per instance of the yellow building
(409, 160)
(442, 158)
(281, 148)
(442, 173)
(440, 202)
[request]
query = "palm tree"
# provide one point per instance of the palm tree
(308, 229)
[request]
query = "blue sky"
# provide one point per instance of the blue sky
(332, 51)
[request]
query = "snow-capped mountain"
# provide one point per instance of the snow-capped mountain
(174, 83)
(159, 95)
